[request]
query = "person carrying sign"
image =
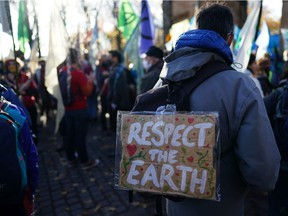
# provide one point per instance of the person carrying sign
(252, 159)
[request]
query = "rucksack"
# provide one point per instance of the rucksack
(176, 93)
(280, 122)
(130, 84)
(68, 96)
(13, 178)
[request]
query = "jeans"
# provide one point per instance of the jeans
(76, 127)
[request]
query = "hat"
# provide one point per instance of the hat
(155, 52)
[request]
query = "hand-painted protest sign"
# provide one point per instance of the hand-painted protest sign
(169, 154)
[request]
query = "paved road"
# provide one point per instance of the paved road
(66, 191)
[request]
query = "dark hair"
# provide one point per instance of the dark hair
(252, 59)
(73, 54)
(216, 17)
(115, 53)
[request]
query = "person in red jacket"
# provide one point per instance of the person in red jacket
(76, 117)
(29, 94)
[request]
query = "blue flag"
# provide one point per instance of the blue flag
(146, 28)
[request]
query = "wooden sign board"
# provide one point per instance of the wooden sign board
(169, 154)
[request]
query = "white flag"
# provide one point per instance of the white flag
(33, 63)
(246, 37)
(262, 41)
(58, 51)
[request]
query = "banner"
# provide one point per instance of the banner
(171, 154)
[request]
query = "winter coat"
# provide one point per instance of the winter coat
(244, 125)
(151, 77)
(118, 89)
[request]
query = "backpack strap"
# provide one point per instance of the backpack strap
(179, 91)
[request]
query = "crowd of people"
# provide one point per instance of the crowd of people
(246, 109)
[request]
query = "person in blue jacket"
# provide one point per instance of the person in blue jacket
(29, 148)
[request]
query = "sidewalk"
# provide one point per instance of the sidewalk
(65, 191)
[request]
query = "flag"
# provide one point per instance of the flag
(146, 27)
(127, 19)
(58, 51)
(5, 17)
(263, 41)
(33, 59)
(246, 36)
(131, 53)
(284, 32)
(23, 26)
(94, 37)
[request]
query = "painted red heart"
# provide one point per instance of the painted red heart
(131, 149)
(190, 159)
(190, 120)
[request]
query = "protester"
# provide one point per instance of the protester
(277, 108)
(29, 95)
(253, 160)
(76, 114)
(264, 75)
(46, 100)
(119, 96)
(92, 98)
(152, 63)
(251, 72)
(31, 157)
(102, 76)
(15, 79)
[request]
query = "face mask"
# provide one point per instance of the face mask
(146, 64)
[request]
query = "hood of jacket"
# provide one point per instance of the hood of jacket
(194, 49)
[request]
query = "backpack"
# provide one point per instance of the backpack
(68, 96)
(13, 178)
(130, 84)
(176, 93)
(280, 122)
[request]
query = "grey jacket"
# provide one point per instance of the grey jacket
(244, 125)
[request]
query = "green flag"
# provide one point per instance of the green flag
(23, 26)
(131, 54)
(127, 19)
